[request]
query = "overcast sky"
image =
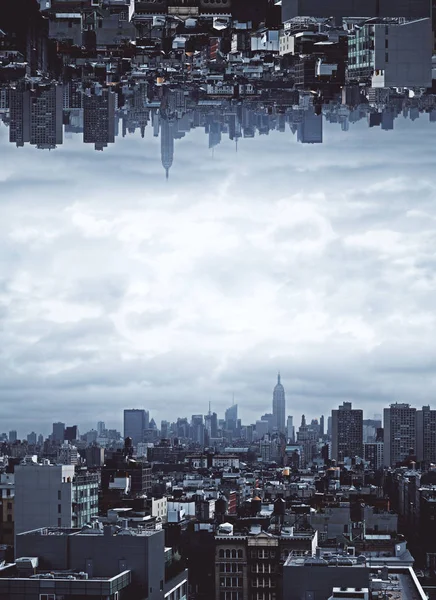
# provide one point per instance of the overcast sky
(119, 289)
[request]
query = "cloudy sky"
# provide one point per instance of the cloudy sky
(120, 289)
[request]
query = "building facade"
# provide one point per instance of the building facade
(399, 422)
(347, 432)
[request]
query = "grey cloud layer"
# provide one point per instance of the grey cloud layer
(118, 288)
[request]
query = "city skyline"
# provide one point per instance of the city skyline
(111, 302)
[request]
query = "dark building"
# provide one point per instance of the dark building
(410, 9)
(99, 117)
(36, 115)
(71, 433)
(121, 464)
(347, 432)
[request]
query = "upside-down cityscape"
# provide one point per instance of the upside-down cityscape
(289, 507)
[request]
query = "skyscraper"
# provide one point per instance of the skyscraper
(99, 117)
(231, 417)
(279, 407)
(135, 423)
(347, 432)
(426, 435)
(58, 434)
(167, 144)
(290, 429)
(399, 433)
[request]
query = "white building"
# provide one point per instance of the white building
(68, 455)
(53, 496)
(396, 54)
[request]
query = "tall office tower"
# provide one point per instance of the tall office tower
(164, 429)
(166, 144)
(31, 439)
(99, 117)
(13, 436)
(46, 103)
(45, 495)
(310, 129)
(19, 106)
(101, 427)
(290, 429)
(329, 427)
(214, 425)
(399, 433)
(426, 435)
(279, 407)
(58, 434)
(197, 428)
(135, 424)
(321, 427)
(71, 433)
(347, 432)
(231, 417)
(36, 115)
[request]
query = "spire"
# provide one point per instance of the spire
(167, 172)
(209, 409)
(278, 378)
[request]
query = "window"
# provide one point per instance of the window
(221, 553)
(387, 57)
(59, 508)
(8, 492)
(47, 596)
(9, 505)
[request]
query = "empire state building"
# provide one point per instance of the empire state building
(279, 406)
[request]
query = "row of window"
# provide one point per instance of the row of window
(231, 582)
(231, 568)
(231, 553)
(262, 553)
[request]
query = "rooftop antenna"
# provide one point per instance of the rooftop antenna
(209, 409)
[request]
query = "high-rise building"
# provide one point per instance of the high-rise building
(231, 417)
(31, 439)
(279, 407)
(136, 421)
(164, 429)
(53, 496)
(399, 433)
(167, 145)
(347, 432)
(321, 427)
(197, 428)
(71, 433)
(426, 435)
(99, 117)
(101, 427)
(36, 115)
(58, 434)
(13, 436)
(290, 429)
